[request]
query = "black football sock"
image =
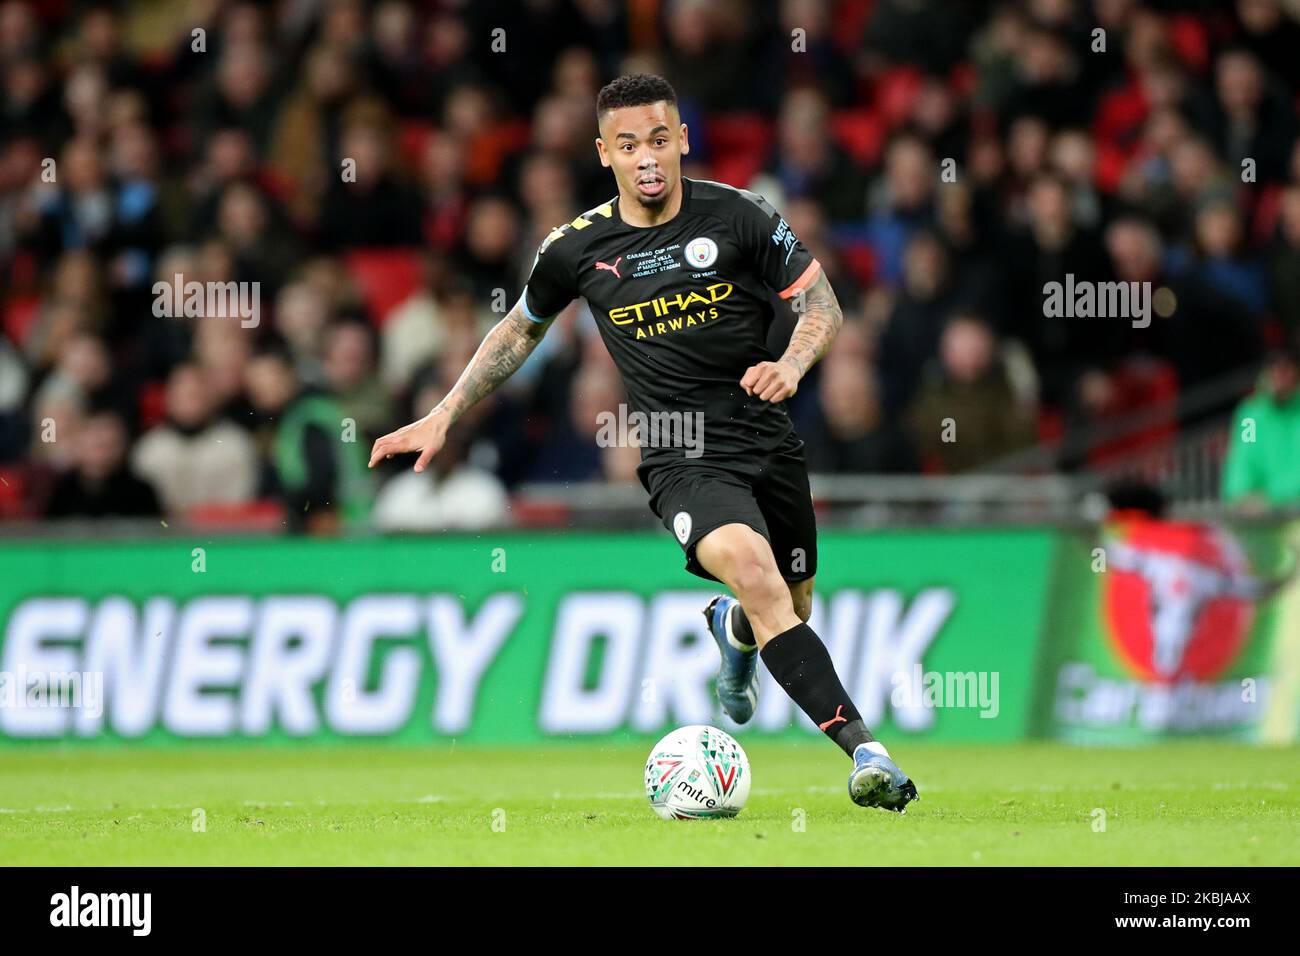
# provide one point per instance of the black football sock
(740, 628)
(801, 664)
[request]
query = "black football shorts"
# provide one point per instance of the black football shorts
(693, 496)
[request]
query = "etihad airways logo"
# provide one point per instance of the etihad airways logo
(681, 310)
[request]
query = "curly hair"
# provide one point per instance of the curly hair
(635, 89)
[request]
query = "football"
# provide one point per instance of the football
(697, 773)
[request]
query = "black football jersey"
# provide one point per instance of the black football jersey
(682, 306)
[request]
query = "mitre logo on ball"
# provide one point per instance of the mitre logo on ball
(1178, 599)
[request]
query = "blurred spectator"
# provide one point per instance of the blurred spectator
(902, 205)
(488, 258)
(929, 34)
(321, 478)
(349, 362)
(322, 150)
(1052, 247)
(1049, 81)
(449, 494)
(302, 313)
(911, 336)
(421, 329)
(852, 434)
(571, 453)
(1203, 333)
(76, 303)
(1250, 118)
(99, 484)
(818, 61)
(706, 47)
(369, 206)
(305, 143)
(1263, 463)
(1285, 264)
(1221, 263)
(13, 390)
(395, 59)
(194, 458)
(83, 378)
(807, 162)
(1272, 34)
(262, 252)
(967, 414)
(241, 94)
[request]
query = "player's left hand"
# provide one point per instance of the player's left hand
(771, 381)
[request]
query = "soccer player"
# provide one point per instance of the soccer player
(676, 272)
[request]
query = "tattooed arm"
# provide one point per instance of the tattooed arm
(812, 337)
(817, 327)
(499, 356)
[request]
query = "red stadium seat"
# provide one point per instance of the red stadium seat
(19, 317)
(1267, 212)
(1051, 426)
(489, 150)
(848, 21)
(413, 140)
(860, 133)
(386, 277)
(538, 513)
(266, 514)
(1117, 128)
(964, 80)
(13, 491)
(896, 93)
(1145, 387)
(736, 170)
(152, 399)
(739, 144)
(860, 261)
(1190, 41)
(739, 133)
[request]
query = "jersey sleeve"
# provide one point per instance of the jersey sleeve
(552, 283)
(786, 265)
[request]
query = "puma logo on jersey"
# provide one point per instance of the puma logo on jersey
(613, 268)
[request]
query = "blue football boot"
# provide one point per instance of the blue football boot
(876, 781)
(738, 675)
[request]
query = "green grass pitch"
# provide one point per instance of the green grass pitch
(1036, 804)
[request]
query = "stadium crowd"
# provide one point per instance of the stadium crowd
(384, 172)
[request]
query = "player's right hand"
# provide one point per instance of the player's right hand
(426, 436)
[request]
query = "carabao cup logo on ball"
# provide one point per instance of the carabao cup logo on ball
(701, 253)
(697, 773)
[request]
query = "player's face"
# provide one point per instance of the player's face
(644, 146)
